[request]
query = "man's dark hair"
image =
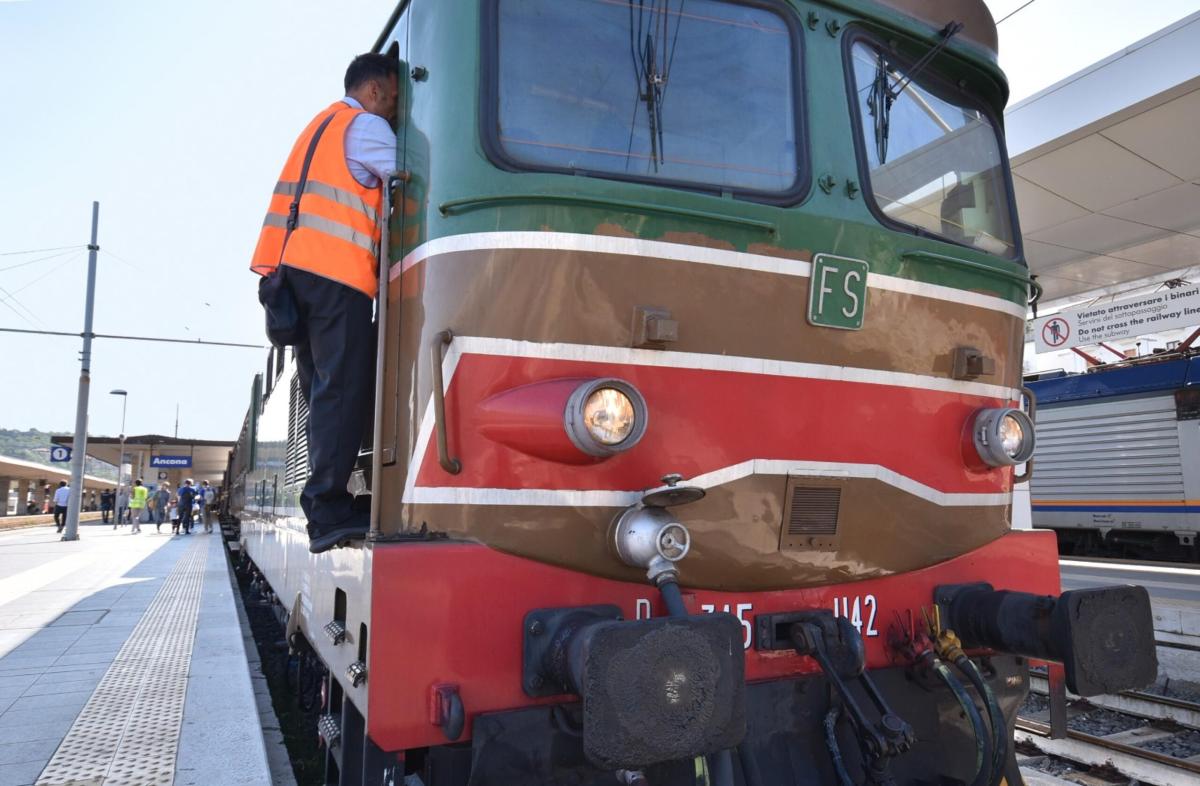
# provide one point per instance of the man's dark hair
(370, 66)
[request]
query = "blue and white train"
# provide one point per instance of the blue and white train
(1118, 458)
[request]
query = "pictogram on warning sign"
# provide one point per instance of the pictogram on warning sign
(1056, 331)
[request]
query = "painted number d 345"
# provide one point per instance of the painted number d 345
(837, 292)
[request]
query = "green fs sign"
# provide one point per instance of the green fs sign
(837, 292)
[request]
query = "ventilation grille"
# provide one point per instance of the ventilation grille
(296, 469)
(813, 511)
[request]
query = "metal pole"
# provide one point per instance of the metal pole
(121, 465)
(75, 503)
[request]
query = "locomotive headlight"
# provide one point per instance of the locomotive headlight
(605, 416)
(1003, 436)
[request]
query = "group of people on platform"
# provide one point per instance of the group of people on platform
(188, 505)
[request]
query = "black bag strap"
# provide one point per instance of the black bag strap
(294, 208)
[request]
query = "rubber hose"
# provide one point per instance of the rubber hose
(835, 751)
(750, 773)
(983, 742)
(995, 717)
(672, 598)
(720, 768)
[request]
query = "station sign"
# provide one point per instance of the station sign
(59, 453)
(171, 462)
(1117, 319)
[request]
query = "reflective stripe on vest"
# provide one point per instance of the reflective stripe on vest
(336, 234)
(332, 193)
(327, 226)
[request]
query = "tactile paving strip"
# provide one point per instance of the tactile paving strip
(128, 732)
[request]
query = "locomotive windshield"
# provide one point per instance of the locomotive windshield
(699, 94)
(933, 153)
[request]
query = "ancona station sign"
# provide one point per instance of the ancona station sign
(1117, 319)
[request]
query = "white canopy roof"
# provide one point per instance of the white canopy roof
(1106, 166)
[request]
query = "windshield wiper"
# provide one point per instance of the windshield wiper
(652, 95)
(882, 96)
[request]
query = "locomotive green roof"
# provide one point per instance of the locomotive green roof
(978, 26)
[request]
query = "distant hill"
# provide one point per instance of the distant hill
(34, 445)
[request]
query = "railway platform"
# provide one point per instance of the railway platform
(122, 662)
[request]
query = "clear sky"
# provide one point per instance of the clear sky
(176, 117)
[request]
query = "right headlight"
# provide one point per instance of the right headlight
(1003, 436)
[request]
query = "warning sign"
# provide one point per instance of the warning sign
(1117, 319)
(1055, 332)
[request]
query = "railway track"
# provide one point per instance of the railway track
(1146, 737)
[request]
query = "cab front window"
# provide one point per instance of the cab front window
(698, 94)
(933, 154)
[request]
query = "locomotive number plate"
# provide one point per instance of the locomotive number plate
(837, 292)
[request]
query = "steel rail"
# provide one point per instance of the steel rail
(1139, 703)
(1038, 734)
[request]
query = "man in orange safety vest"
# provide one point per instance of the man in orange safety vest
(321, 238)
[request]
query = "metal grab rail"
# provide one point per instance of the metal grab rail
(381, 314)
(448, 462)
(1031, 397)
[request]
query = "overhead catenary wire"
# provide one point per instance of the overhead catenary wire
(11, 298)
(199, 341)
(74, 258)
(121, 259)
(41, 259)
(37, 251)
(1019, 8)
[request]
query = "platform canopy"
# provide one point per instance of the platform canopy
(22, 470)
(199, 459)
(1106, 165)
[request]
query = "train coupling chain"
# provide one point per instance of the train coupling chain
(835, 644)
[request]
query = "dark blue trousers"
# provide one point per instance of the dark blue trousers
(336, 365)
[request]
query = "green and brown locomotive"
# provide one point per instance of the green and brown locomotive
(698, 411)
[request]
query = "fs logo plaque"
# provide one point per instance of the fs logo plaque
(837, 292)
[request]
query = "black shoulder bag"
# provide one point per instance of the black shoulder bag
(284, 327)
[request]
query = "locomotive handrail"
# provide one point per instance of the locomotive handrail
(381, 317)
(1023, 279)
(1031, 397)
(448, 462)
(465, 204)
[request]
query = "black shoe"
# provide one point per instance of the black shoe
(324, 540)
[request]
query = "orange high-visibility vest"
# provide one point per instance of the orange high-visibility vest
(337, 229)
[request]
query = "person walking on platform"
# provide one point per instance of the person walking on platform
(122, 506)
(317, 255)
(137, 505)
(187, 499)
(62, 497)
(199, 505)
(106, 505)
(162, 498)
(206, 497)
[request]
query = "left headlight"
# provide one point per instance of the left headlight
(1003, 436)
(605, 416)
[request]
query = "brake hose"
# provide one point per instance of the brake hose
(995, 717)
(949, 647)
(983, 743)
(835, 750)
(720, 764)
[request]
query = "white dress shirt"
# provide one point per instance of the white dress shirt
(62, 495)
(370, 146)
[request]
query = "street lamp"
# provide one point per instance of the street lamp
(124, 394)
